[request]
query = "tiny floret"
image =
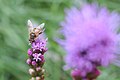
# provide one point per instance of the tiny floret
(37, 57)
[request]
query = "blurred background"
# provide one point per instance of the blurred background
(14, 37)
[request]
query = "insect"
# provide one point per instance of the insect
(34, 32)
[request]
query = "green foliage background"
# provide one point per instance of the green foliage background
(14, 37)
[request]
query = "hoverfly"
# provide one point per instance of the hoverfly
(34, 32)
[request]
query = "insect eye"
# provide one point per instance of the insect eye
(33, 34)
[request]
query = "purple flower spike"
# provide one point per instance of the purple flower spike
(37, 57)
(36, 53)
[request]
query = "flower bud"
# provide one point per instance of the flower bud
(43, 70)
(29, 52)
(28, 61)
(38, 69)
(32, 78)
(32, 72)
(42, 77)
(38, 78)
(34, 63)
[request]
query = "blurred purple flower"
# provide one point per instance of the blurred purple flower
(90, 37)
